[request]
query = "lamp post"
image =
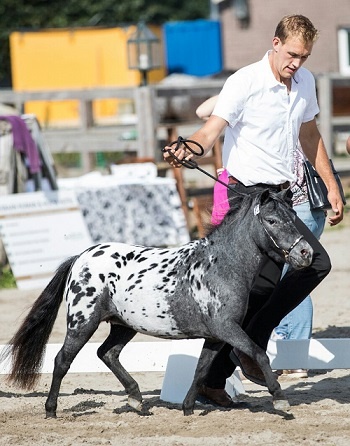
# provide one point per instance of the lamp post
(143, 51)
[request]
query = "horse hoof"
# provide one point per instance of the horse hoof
(188, 412)
(282, 405)
(135, 404)
(51, 415)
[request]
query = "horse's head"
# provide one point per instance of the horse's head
(279, 237)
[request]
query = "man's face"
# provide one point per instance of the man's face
(290, 55)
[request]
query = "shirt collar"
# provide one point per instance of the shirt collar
(272, 81)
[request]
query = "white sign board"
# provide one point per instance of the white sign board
(39, 231)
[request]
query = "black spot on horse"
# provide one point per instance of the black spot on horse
(146, 249)
(80, 316)
(130, 255)
(141, 259)
(102, 277)
(77, 298)
(130, 277)
(143, 271)
(92, 302)
(85, 275)
(75, 287)
(70, 321)
(90, 291)
(91, 248)
(98, 253)
(172, 273)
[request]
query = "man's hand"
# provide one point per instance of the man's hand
(337, 208)
(179, 153)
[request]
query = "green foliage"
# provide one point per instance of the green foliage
(38, 14)
(67, 159)
(6, 278)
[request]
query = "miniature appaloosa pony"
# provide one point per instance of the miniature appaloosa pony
(198, 290)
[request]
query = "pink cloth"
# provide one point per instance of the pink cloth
(220, 200)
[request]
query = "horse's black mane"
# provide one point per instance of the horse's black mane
(240, 205)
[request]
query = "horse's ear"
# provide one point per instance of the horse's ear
(286, 194)
(264, 196)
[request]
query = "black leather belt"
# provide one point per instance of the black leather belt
(275, 187)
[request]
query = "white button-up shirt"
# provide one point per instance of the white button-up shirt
(264, 122)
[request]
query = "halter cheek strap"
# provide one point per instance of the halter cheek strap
(286, 252)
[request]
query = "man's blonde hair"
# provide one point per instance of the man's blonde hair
(297, 26)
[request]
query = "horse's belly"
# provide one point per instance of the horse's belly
(147, 312)
(153, 325)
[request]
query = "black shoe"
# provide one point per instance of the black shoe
(219, 397)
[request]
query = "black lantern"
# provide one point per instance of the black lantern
(143, 51)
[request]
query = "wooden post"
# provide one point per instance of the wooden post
(325, 100)
(86, 122)
(146, 128)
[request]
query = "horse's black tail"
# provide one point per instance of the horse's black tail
(27, 347)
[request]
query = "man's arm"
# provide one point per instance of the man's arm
(206, 136)
(206, 108)
(313, 147)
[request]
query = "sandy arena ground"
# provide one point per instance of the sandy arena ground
(92, 408)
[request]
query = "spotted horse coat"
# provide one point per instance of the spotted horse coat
(142, 286)
(198, 290)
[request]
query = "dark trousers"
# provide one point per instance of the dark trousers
(271, 298)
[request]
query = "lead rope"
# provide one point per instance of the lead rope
(192, 164)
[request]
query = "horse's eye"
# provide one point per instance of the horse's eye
(271, 221)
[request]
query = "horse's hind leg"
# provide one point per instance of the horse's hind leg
(73, 343)
(208, 353)
(109, 353)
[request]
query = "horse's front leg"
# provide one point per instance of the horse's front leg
(209, 351)
(279, 399)
(240, 340)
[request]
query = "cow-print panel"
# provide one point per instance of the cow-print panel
(144, 214)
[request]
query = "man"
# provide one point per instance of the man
(264, 109)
